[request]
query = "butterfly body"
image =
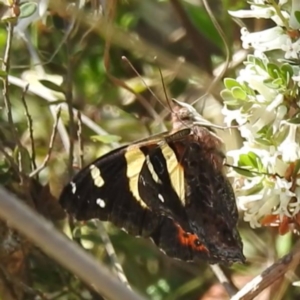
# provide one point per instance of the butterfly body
(170, 188)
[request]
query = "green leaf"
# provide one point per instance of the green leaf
(5, 172)
(273, 70)
(297, 15)
(76, 231)
(283, 244)
(22, 155)
(254, 189)
(251, 59)
(244, 172)
(52, 86)
(295, 119)
(27, 9)
(296, 168)
(226, 95)
(203, 23)
(286, 69)
(128, 20)
(278, 82)
(239, 93)
(250, 160)
(106, 139)
(91, 237)
(273, 84)
(230, 83)
(264, 141)
(91, 225)
(245, 161)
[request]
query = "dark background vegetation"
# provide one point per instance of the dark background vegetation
(81, 64)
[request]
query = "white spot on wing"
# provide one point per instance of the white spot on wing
(73, 185)
(96, 176)
(161, 198)
(100, 202)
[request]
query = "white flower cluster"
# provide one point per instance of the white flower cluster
(264, 101)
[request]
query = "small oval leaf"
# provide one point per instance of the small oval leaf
(230, 83)
(239, 93)
(51, 85)
(27, 9)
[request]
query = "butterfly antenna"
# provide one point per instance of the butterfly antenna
(143, 81)
(164, 89)
(227, 51)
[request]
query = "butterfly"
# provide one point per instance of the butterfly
(170, 187)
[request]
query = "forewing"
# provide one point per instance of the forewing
(108, 189)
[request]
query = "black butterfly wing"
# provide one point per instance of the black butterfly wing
(209, 201)
(102, 190)
(197, 203)
(125, 184)
(166, 189)
(161, 183)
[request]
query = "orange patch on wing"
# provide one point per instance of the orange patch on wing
(190, 240)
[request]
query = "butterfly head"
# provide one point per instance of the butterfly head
(185, 114)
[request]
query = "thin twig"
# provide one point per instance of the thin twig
(42, 233)
(41, 72)
(6, 68)
(51, 143)
(227, 284)
(117, 267)
(30, 128)
(69, 97)
(48, 96)
(80, 140)
(6, 96)
(216, 80)
(269, 276)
